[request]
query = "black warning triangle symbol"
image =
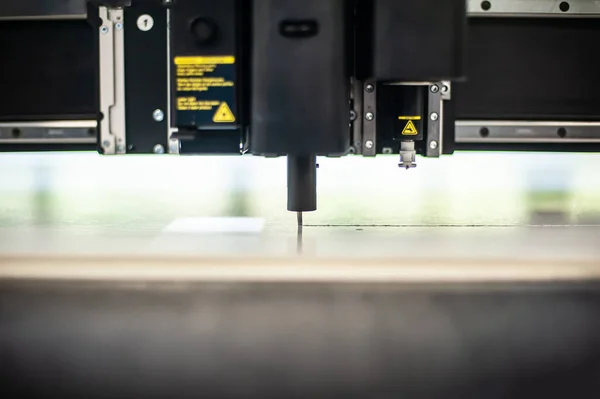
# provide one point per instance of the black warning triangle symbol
(410, 129)
(223, 114)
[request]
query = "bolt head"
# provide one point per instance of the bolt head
(433, 145)
(369, 144)
(369, 116)
(104, 29)
(434, 116)
(159, 149)
(370, 88)
(434, 88)
(158, 115)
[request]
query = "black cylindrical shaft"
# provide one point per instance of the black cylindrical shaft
(302, 183)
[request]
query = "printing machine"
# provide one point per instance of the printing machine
(299, 78)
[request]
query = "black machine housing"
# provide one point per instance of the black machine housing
(300, 79)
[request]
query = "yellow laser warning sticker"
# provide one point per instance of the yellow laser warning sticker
(409, 118)
(410, 129)
(215, 60)
(223, 114)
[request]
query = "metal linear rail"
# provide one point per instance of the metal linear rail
(534, 8)
(508, 132)
(49, 132)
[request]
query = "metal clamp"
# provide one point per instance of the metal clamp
(112, 81)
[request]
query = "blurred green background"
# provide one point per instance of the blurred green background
(145, 193)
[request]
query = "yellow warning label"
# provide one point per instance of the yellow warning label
(224, 114)
(409, 118)
(193, 104)
(410, 129)
(202, 84)
(218, 60)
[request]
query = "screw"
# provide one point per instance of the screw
(387, 150)
(351, 150)
(445, 89)
(435, 88)
(104, 29)
(370, 88)
(158, 115)
(106, 144)
(159, 149)
(119, 26)
(352, 116)
(369, 144)
(120, 148)
(433, 145)
(369, 116)
(434, 116)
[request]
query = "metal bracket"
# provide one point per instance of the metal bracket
(112, 81)
(435, 118)
(355, 116)
(174, 143)
(369, 116)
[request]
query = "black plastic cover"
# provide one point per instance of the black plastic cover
(418, 40)
(300, 85)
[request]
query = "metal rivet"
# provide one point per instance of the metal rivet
(158, 115)
(369, 116)
(106, 144)
(119, 26)
(159, 149)
(352, 115)
(120, 148)
(351, 150)
(435, 88)
(434, 116)
(433, 145)
(104, 29)
(369, 144)
(370, 88)
(445, 89)
(387, 150)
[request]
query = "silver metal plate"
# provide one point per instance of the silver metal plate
(112, 81)
(47, 9)
(369, 115)
(435, 122)
(508, 132)
(51, 132)
(529, 8)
